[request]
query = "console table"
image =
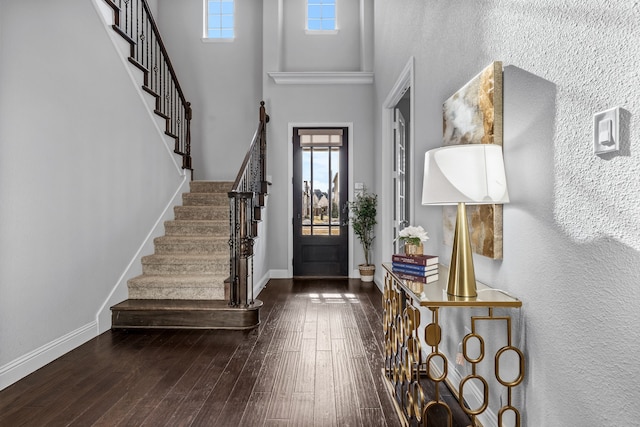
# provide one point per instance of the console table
(405, 366)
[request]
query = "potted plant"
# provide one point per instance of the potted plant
(363, 219)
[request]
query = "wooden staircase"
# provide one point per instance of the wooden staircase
(183, 283)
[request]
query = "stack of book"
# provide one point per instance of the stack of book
(416, 268)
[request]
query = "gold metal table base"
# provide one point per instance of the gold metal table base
(405, 365)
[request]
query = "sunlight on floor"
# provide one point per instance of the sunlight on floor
(333, 298)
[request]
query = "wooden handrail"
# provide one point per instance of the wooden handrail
(246, 199)
(165, 54)
(237, 184)
(134, 21)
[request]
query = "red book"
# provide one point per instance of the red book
(412, 278)
(415, 259)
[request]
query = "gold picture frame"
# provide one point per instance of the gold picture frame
(473, 115)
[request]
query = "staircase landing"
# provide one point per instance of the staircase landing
(183, 314)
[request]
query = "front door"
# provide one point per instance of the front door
(320, 212)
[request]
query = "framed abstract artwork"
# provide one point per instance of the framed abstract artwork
(473, 115)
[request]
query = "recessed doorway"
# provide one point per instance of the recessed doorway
(320, 213)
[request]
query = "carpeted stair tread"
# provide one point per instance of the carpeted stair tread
(147, 286)
(182, 258)
(195, 280)
(196, 227)
(210, 186)
(191, 244)
(205, 199)
(161, 264)
(204, 212)
(191, 261)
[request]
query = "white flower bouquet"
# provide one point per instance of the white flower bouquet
(413, 235)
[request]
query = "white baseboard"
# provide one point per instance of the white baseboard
(259, 286)
(279, 274)
(380, 284)
(36, 359)
(271, 274)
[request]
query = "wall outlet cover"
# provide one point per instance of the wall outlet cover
(606, 131)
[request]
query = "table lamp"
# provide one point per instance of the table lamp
(461, 175)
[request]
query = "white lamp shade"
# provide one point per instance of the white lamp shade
(470, 173)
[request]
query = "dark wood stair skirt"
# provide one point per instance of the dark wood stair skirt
(184, 314)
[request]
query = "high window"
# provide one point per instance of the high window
(321, 15)
(219, 19)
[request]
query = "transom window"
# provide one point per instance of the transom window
(321, 15)
(219, 19)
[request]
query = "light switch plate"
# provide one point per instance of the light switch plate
(606, 131)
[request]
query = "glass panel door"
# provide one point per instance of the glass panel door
(320, 237)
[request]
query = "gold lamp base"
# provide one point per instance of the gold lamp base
(462, 276)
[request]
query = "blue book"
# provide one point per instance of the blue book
(415, 272)
(416, 268)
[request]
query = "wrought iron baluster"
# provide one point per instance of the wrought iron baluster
(134, 21)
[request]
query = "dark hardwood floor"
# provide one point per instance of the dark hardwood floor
(316, 359)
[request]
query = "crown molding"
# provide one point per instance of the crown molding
(322, 77)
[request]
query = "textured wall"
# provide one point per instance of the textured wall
(571, 242)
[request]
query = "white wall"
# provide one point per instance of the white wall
(308, 51)
(571, 245)
(84, 176)
(222, 80)
(332, 104)
(307, 103)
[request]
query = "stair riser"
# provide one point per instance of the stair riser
(205, 199)
(191, 248)
(162, 269)
(220, 317)
(201, 213)
(210, 186)
(177, 287)
(176, 293)
(182, 228)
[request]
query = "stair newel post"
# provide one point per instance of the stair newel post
(233, 239)
(187, 154)
(244, 251)
(241, 248)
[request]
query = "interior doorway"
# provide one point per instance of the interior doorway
(402, 161)
(320, 192)
(398, 167)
